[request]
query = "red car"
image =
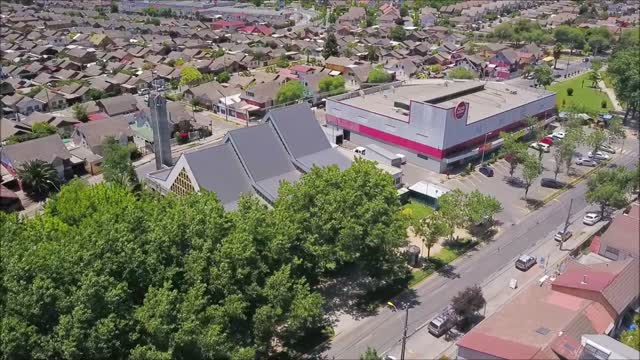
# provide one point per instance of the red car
(546, 140)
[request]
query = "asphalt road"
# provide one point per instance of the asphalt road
(383, 331)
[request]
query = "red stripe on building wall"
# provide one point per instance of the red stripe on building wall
(386, 137)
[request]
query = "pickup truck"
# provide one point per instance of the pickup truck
(442, 322)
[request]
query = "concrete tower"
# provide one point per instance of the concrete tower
(161, 131)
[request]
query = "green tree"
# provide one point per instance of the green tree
(596, 139)
(332, 85)
(96, 94)
(481, 207)
(378, 76)
(624, 70)
(609, 188)
(189, 75)
(39, 178)
(370, 354)
(116, 166)
(451, 207)
(114, 8)
(531, 169)
(467, 303)
(461, 73)
(543, 75)
(289, 92)
(558, 160)
(330, 46)
(557, 52)
(513, 150)
(372, 54)
(632, 337)
(223, 77)
(398, 33)
(43, 129)
(429, 230)
(594, 77)
(504, 32)
(80, 112)
(404, 10)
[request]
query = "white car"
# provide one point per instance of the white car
(591, 218)
(540, 146)
(599, 155)
(586, 162)
(559, 135)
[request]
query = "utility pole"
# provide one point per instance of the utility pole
(566, 224)
(404, 335)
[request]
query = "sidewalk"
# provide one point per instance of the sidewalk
(496, 290)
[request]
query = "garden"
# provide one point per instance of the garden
(579, 95)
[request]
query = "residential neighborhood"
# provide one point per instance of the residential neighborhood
(417, 179)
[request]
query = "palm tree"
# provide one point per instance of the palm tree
(557, 51)
(38, 177)
(372, 53)
(594, 77)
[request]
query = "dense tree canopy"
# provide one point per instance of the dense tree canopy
(461, 73)
(290, 91)
(330, 46)
(378, 76)
(108, 274)
(189, 75)
(624, 68)
(332, 85)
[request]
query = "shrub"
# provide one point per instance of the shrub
(603, 104)
(570, 91)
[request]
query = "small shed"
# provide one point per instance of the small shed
(427, 192)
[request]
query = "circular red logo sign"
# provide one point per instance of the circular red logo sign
(460, 109)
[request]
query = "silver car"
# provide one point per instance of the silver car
(586, 162)
(607, 148)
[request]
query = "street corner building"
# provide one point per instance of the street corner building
(444, 123)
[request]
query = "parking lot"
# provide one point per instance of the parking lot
(510, 195)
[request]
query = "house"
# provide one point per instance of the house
(358, 75)
(208, 94)
(52, 100)
(10, 127)
(489, 50)
(92, 135)
(256, 29)
(23, 104)
(427, 18)
(582, 300)
(620, 241)
(339, 64)
(49, 149)
(354, 16)
(227, 25)
(101, 41)
(403, 69)
(506, 59)
(261, 95)
(118, 105)
(81, 55)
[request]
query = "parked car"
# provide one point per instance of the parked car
(591, 218)
(525, 262)
(540, 146)
(552, 183)
(546, 140)
(599, 155)
(486, 171)
(403, 158)
(586, 162)
(559, 135)
(442, 322)
(607, 148)
(562, 235)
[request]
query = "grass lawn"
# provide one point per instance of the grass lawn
(416, 210)
(586, 98)
(445, 256)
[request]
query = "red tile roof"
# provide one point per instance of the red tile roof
(496, 346)
(253, 29)
(578, 276)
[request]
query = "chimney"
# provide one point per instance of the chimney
(161, 131)
(584, 280)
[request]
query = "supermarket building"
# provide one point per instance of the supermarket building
(443, 123)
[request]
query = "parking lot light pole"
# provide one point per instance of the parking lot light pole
(484, 145)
